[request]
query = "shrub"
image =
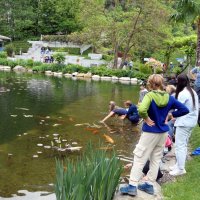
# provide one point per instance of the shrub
(55, 67)
(3, 54)
(158, 70)
(107, 57)
(93, 176)
(140, 75)
(59, 58)
(3, 61)
(72, 51)
(21, 62)
(10, 49)
(145, 69)
(42, 68)
(176, 70)
(17, 47)
(71, 68)
(37, 63)
(29, 63)
(12, 63)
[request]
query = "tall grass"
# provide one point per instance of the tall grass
(94, 176)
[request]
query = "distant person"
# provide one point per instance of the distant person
(172, 80)
(130, 65)
(154, 110)
(181, 65)
(125, 64)
(171, 66)
(165, 67)
(42, 50)
(171, 90)
(195, 74)
(143, 92)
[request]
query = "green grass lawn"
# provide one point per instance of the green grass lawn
(187, 187)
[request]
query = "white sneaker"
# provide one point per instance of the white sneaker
(177, 172)
(173, 167)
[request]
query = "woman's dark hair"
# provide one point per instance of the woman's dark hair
(182, 82)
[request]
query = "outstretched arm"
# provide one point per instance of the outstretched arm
(108, 116)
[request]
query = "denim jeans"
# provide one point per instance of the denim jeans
(171, 128)
(181, 141)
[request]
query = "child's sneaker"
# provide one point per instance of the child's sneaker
(173, 167)
(129, 189)
(146, 187)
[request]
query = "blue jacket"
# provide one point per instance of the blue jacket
(156, 105)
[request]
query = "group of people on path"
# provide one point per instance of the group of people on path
(46, 55)
(161, 108)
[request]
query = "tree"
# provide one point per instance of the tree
(189, 11)
(21, 19)
(122, 25)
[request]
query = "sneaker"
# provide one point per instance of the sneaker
(146, 187)
(177, 172)
(173, 167)
(129, 189)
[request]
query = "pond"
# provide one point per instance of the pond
(35, 109)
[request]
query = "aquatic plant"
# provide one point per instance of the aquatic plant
(93, 176)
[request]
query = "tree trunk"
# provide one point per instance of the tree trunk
(198, 43)
(116, 55)
(128, 46)
(125, 55)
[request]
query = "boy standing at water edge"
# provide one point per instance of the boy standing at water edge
(154, 110)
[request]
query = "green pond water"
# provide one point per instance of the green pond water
(34, 107)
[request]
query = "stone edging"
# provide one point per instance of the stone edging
(114, 79)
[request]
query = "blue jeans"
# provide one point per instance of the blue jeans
(171, 128)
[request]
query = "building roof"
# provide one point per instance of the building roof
(4, 38)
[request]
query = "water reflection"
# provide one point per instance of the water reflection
(35, 108)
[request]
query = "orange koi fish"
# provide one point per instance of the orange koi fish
(108, 138)
(95, 131)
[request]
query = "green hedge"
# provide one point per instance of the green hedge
(72, 51)
(15, 47)
(3, 54)
(70, 68)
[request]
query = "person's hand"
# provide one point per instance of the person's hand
(149, 121)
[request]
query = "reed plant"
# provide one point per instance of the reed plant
(94, 176)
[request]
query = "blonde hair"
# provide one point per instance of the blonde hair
(155, 82)
(112, 105)
(170, 89)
